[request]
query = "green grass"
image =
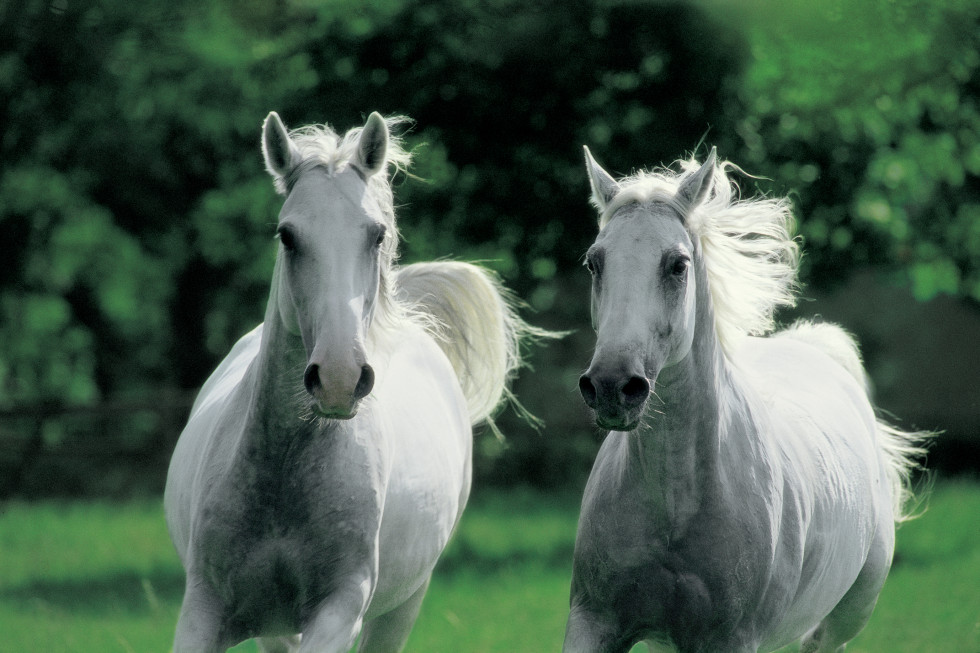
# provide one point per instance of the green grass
(99, 576)
(931, 600)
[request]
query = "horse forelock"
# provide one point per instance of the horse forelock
(748, 249)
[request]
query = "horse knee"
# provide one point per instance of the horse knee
(338, 620)
(585, 633)
(200, 626)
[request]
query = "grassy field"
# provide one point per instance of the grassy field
(99, 576)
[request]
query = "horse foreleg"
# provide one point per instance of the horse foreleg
(200, 625)
(389, 632)
(338, 620)
(589, 633)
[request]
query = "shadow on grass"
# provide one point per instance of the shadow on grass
(464, 557)
(519, 527)
(131, 593)
(125, 592)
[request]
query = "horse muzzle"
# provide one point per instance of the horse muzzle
(337, 398)
(617, 397)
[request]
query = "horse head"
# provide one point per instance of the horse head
(332, 232)
(643, 291)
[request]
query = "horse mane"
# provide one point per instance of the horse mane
(322, 146)
(747, 246)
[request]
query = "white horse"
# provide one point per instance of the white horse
(327, 459)
(746, 496)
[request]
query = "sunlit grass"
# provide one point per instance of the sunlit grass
(99, 576)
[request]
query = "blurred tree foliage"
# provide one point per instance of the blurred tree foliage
(136, 220)
(869, 113)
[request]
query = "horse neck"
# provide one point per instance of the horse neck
(677, 448)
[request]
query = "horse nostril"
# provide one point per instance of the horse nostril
(636, 390)
(311, 379)
(587, 389)
(364, 384)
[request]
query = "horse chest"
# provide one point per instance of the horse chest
(273, 542)
(657, 580)
(674, 595)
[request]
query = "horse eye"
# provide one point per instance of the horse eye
(679, 268)
(593, 262)
(380, 237)
(287, 238)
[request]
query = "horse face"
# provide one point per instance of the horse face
(643, 292)
(331, 233)
(643, 305)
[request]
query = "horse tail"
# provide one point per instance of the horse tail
(474, 319)
(900, 449)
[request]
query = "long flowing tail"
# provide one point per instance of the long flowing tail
(475, 321)
(902, 449)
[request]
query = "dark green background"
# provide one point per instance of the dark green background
(136, 220)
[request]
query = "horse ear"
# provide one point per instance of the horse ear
(695, 188)
(372, 149)
(278, 149)
(604, 187)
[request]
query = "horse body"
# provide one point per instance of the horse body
(748, 501)
(327, 460)
(286, 516)
(836, 488)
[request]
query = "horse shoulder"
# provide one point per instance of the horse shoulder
(230, 371)
(422, 413)
(419, 388)
(192, 460)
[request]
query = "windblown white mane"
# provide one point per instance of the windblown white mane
(749, 252)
